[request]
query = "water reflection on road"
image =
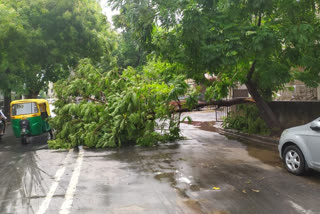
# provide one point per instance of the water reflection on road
(205, 173)
(26, 171)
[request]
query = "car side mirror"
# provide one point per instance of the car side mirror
(315, 125)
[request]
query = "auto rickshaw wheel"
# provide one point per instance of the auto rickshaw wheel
(23, 140)
(50, 136)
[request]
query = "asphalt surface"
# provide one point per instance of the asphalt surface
(205, 173)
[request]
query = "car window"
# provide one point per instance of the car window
(24, 108)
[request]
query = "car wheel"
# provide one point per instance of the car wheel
(294, 160)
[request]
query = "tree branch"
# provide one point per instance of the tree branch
(260, 19)
(93, 100)
(252, 69)
(226, 103)
(253, 66)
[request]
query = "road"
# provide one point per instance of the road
(205, 173)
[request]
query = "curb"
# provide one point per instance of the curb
(251, 137)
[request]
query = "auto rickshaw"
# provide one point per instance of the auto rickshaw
(29, 118)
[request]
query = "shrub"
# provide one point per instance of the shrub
(246, 119)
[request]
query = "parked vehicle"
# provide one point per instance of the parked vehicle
(2, 124)
(29, 118)
(2, 128)
(299, 148)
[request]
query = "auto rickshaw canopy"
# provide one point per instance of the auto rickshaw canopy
(37, 101)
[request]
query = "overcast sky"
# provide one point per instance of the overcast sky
(107, 10)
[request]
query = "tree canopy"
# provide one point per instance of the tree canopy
(57, 34)
(122, 83)
(12, 36)
(107, 109)
(260, 43)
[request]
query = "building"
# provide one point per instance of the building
(298, 91)
(50, 92)
(293, 91)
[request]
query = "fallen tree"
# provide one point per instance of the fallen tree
(106, 109)
(180, 106)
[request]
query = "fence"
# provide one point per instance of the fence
(219, 112)
(289, 113)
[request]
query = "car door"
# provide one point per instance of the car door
(312, 139)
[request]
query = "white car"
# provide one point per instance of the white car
(299, 148)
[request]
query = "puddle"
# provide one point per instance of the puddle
(219, 212)
(194, 188)
(204, 126)
(313, 177)
(167, 161)
(182, 192)
(128, 209)
(167, 176)
(267, 154)
(194, 205)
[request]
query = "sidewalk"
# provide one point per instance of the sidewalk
(251, 137)
(209, 116)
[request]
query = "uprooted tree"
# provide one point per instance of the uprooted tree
(262, 44)
(98, 108)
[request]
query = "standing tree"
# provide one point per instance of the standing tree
(60, 33)
(136, 22)
(12, 53)
(260, 43)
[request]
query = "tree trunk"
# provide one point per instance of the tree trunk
(265, 111)
(32, 95)
(7, 101)
(236, 101)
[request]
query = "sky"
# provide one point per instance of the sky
(106, 9)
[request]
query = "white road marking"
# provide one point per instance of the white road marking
(65, 208)
(300, 209)
(45, 204)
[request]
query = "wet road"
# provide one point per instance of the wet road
(205, 173)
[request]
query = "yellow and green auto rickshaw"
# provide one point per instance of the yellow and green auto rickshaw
(29, 118)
